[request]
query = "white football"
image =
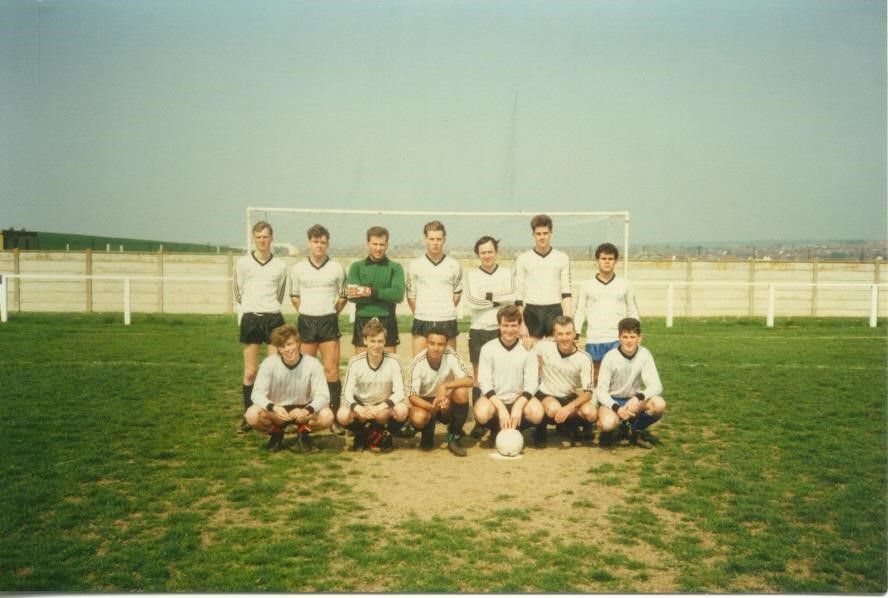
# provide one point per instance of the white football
(509, 443)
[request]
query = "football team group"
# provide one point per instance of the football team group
(526, 370)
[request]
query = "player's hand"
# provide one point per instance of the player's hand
(504, 418)
(515, 419)
(624, 413)
(362, 412)
(300, 416)
(634, 407)
(562, 414)
(522, 331)
(280, 413)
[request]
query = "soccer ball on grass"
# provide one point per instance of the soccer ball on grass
(509, 443)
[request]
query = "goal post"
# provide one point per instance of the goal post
(577, 233)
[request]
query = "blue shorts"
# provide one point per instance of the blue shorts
(599, 350)
(642, 421)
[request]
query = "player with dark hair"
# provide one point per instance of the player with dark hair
(260, 282)
(629, 389)
(439, 390)
(317, 290)
(376, 286)
(565, 382)
(488, 287)
(603, 301)
(508, 374)
(542, 279)
(373, 398)
(434, 288)
(290, 390)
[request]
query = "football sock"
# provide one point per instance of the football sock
(248, 396)
(335, 394)
(458, 414)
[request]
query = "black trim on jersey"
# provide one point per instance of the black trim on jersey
(327, 259)
(565, 355)
(620, 349)
(263, 264)
(500, 339)
(438, 263)
(291, 367)
(369, 261)
(495, 268)
(375, 369)
(440, 363)
(566, 295)
(543, 254)
(608, 282)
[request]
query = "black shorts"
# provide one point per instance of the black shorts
(318, 329)
(539, 318)
(255, 328)
(477, 339)
(421, 327)
(390, 324)
(561, 400)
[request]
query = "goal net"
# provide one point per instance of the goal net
(576, 233)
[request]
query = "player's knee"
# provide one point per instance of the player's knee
(323, 419)
(588, 413)
(344, 416)
(608, 422)
(656, 406)
(460, 396)
(534, 412)
(482, 412)
(419, 417)
(253, 416)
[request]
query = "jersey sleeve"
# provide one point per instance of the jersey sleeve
(458, 279)
(238, 282)
(411, 280)
(294, 281)
(520, 279)
(348, 386)
(485, 371)
(394, 293)
(282, 284)
(651, 378)
(320, 392)
(261, 395)
(580, 310)
(531, 373)
(476, 300)
(398, 394)
(602, 390)
(631, 305)
(565, 277)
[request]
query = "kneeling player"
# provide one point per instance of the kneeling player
(290, 390)
(439, 389)
(508, 376)
(625, 372)
(373, 392)
(565, 382)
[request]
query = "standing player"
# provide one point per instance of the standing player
(290, 390)
(439, 388)
(542, 278)
(565, 382)
(434, 288)
(604, 300)
(373, 394)
(508, 374)
(317, 290)
(629, 388)
(488, 286)
(260, 282)
(376, 286)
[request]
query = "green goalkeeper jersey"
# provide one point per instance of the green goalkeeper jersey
(386, 280)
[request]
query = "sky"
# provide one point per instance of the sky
(708, 120)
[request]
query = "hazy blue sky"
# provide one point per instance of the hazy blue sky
(706, 119)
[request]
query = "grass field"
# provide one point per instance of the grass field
(121, 471)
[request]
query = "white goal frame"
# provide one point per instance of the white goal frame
(624, 251)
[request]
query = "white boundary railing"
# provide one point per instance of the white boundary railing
(669, 285)
(772, 293)
(127, 286)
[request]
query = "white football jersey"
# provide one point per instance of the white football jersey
(433, 285)
(318, 287)
(424, 378)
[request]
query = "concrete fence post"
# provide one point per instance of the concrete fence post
(4, 309)
(874, 306)
(772, 299)
(17, 269)
(670, 304)
(127, 301)
(88, 270)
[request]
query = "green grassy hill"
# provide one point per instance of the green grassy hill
(46, 241)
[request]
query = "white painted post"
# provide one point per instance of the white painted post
(670, 304)
(772, 296)
(127, 308)
(874, 306)
(4, 311)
